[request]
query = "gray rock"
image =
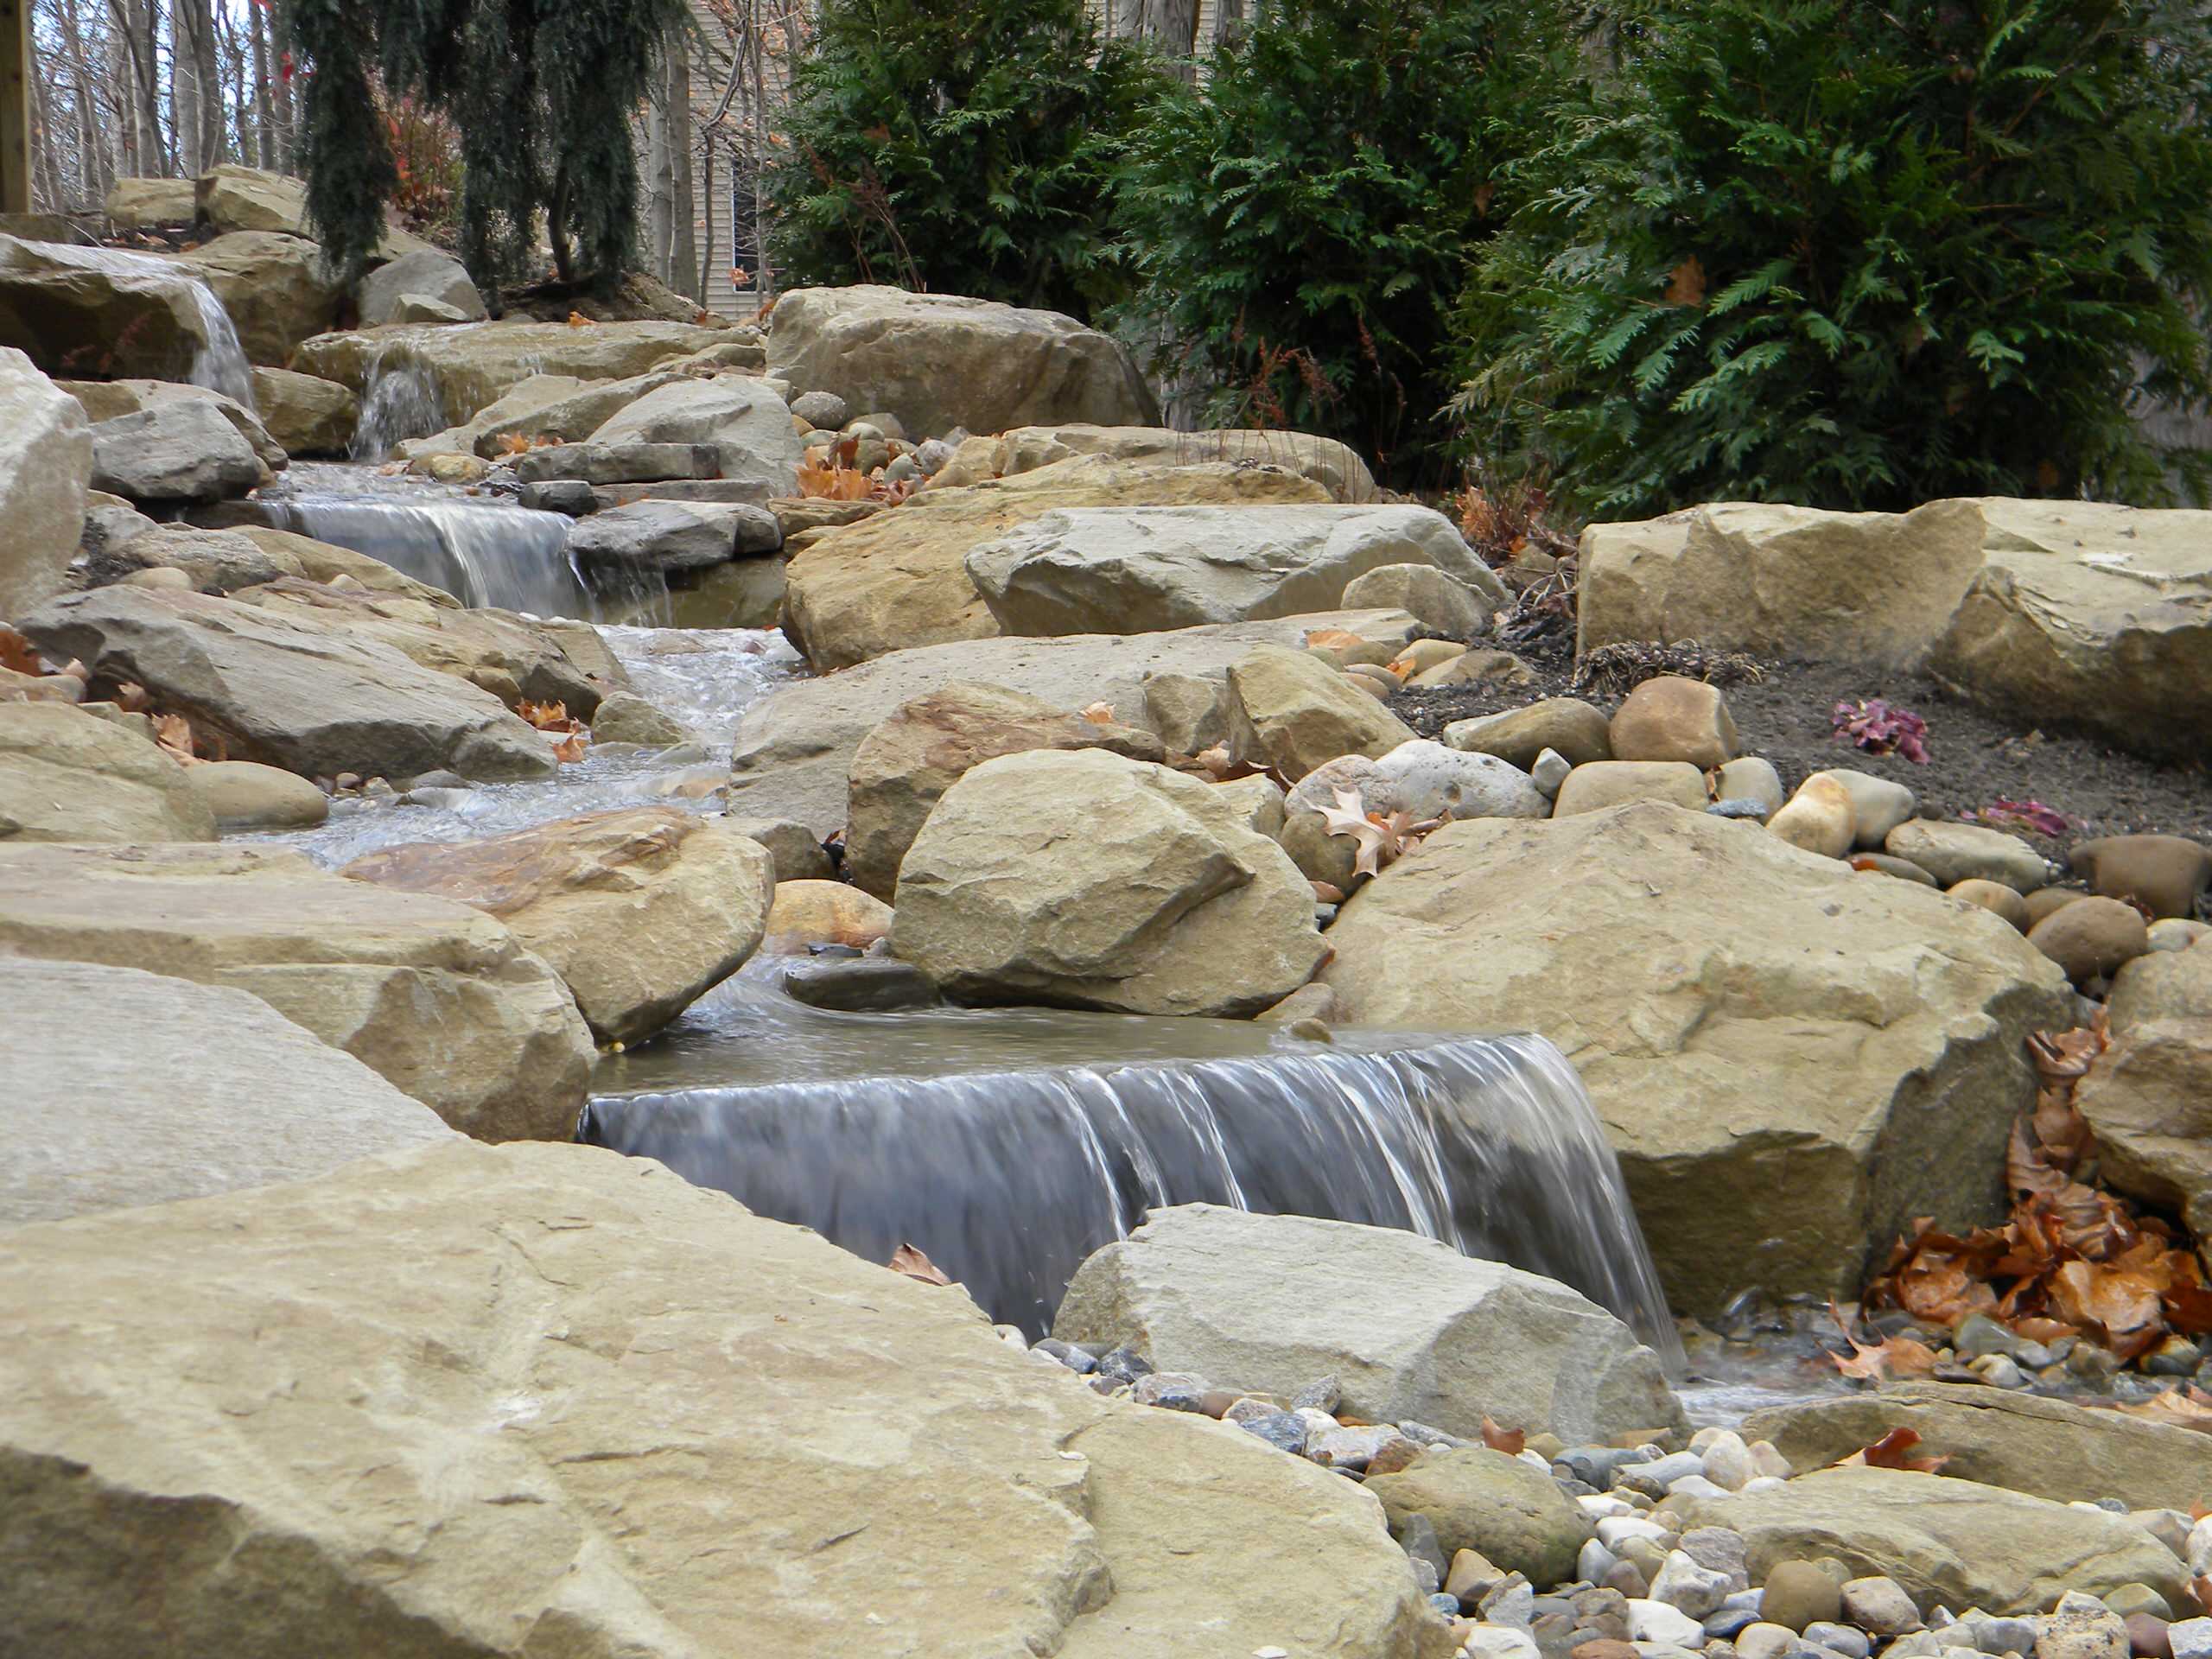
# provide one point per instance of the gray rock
(305, 696)
(1953, 853)
(183, 450)
(426, 273)
(1090, 570)
(624, 717)
(618, 463)
(1407, 1326)
(1445, 601)
(749, 425)
(1880, 1607)
(673, 536)
(824, 410)
(1497, 1506)
(96, 1124)
(570, 497)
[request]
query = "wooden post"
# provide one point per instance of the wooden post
(14, 106)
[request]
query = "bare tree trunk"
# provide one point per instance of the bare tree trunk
(264, 115)
(683, 239)
(707, 251)
(138, 22)
(658, 204)
(207, 72)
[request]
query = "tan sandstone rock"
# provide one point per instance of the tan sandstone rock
(1598, 784)
(65, 775)
(640, 910)
(46, 463)
(904, 766)
(1748, 1017)
(820, 912)
(586, 1403)
(899, 579)
(1672, 718)
(439, 998)
(2149, 1096)
(1291, 713)
(1089, 879)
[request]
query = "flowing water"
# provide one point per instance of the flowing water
(400, 400)
(220, 363)
(1008, 1145)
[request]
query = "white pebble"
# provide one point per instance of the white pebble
(1766, 1461)
(1599, 1505)
(1617, 1530)
(1499, 1642)
(1695, 1486)
(1535, 1460)
(1655, 1621)
(1688, 1587)
(1728, 1462)
(1764, 1641)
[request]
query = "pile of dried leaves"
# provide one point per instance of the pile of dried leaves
(568, 734)
(843, 479)
(2073, 1260)
(1616, 669)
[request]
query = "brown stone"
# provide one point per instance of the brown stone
(2046, 902)
(1672, 718)
(904, 765)
(1994, 895)
(824, 912)
(2092, 939)
(2165, 872)
(1601, 784)
(1577, 730)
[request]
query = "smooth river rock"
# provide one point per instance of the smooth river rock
(440, 999)
(1749, 1018)
(214, 1091)
(583, 1404)
(1409, 1328)
(1087, 879)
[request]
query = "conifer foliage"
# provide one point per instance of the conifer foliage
(958, 146)
(1858, 256)
(541, 92)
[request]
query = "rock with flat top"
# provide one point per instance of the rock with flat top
(95, 1125)
(440, 999)
(1409, 1328)
(65, 775)
(172, 452)
(1290, 712)
(588, 1403)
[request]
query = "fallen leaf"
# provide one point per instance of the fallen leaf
(1894, 1451)
(571, 748)
(1511, 1441)
(513, 444)
(914, 1265)
(577, 320)
(1327, 892)
(174, 733)
(16, 653)
(1099, 714)
(132, 697)
(1894, 1357)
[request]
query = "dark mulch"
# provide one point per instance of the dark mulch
(1975, 757)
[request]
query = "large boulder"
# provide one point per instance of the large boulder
(2149, 1096)
(1078, 570)
(91, 313)
(581, 1402)
(439, 998)
(279, 289)
(2082, 612)
(1835, 1053)
(231, 197)
(212, 1090)
(746, 423)
(65, 775)
(141, 204)
(306, 696)
(1998, 1437)
(793, 748)
(305, 415)
(479, 644)
(2093, 614)
(473, 367)
(173, 452)
(107, 400)
(902, 768)
(673, 536)
(900, 580)
(429, 274)
(640, 909)
(1091, 881)
(1290, 712)
(553, 406)
(939, 361)
(1949, 1543)
(1335, 466)
(1876, 587)
(46, 463)
(1409, 1328)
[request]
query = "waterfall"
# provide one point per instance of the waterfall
(513, 557)
(219, 362)
(1007, 1179)
(399, 399)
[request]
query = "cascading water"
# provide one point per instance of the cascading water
(219, 362)
(1009, 1179)
(482, 554)
(400, 399)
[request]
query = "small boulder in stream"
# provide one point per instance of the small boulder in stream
(641, 910)
(1407, 1327)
